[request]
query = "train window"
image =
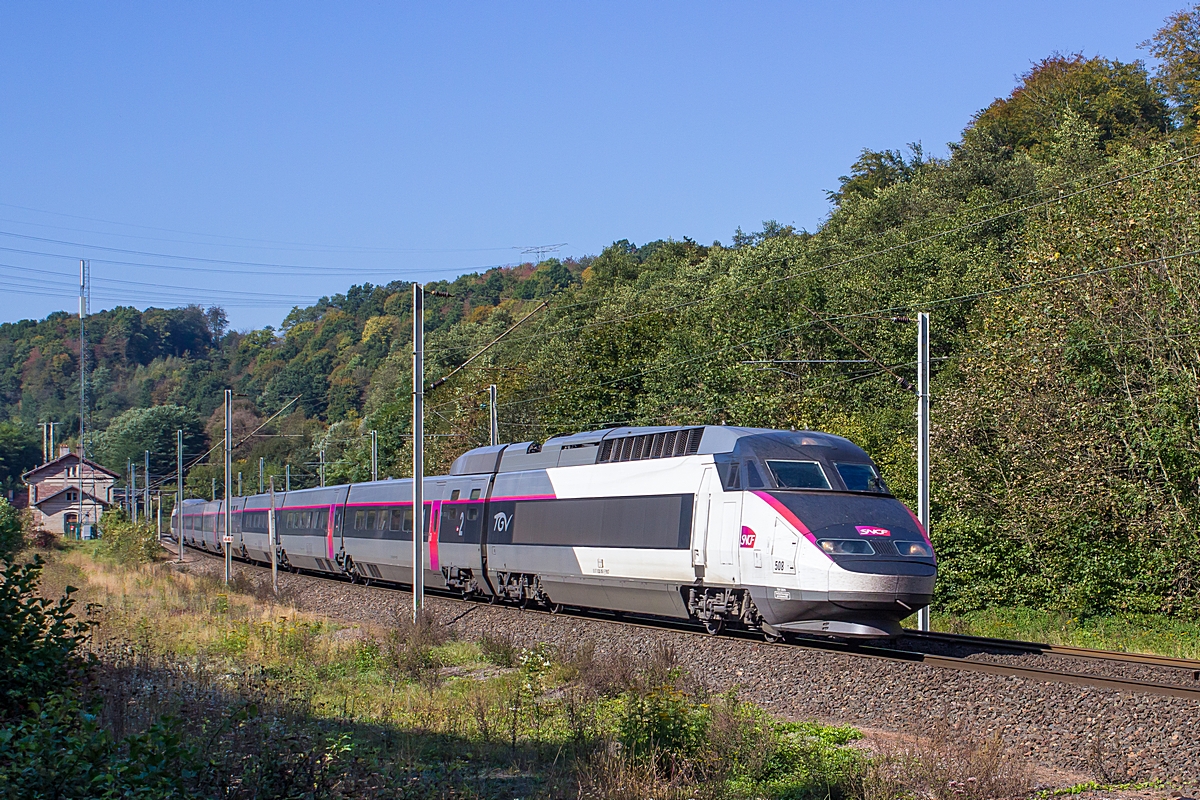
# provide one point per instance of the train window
(472, 513)
(861, 478)
(360, 520)
(381, 522)
(371, 519)
(475, 494)
(397, 519)
(753, 479)
(408, 519)
(798, 474)
(454, 495)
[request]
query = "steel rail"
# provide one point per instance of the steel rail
(1071, 651)
(845, 647)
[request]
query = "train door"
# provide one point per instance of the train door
(700, 519)
(724, 533)
(783, 549)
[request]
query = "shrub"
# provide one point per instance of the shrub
(40, 640)
(12, 531)
(663, 721)
(126, 541)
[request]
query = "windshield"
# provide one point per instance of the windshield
(862, 478)
(798, 474)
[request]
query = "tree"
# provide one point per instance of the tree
(1117, 98)
(19, 452)
(874, 171)
(131, 434)
(1177, 47)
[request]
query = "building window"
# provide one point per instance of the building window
(72, 497)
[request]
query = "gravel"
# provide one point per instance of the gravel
(1098, 732)
(1173, 675)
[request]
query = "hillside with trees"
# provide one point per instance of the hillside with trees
(1056, 248)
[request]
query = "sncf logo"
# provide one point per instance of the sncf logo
(748, 537)
(867, 530)
(502, 521)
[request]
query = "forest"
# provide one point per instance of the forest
(1055, 246)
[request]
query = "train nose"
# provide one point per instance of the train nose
(880, 585)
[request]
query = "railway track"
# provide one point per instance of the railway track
(1183, 675)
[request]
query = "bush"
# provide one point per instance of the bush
(664, 721)
(126, 541)
(39, 640)
(12, 531)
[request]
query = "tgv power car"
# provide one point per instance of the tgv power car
(779, 531)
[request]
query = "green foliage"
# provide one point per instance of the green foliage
(663, 721)
(875, 171)
(137, 430)
(19, 452)
(1178, 75)
(12, 531)
(126, 541)
(1119, 99)
(39, 641)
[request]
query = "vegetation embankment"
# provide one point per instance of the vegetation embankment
(173, 685)
(1057, 247)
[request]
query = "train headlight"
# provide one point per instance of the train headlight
(846, 547)
(918, 549)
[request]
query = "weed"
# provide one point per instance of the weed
(499, 649)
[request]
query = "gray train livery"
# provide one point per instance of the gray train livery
(776, 531)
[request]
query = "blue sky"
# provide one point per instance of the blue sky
(260, 155)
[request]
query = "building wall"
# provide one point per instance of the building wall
(50, 514)
(54, 512)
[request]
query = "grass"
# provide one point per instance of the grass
(1128, 633)
(276, 702)
(333, 710)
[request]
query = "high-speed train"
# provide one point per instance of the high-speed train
(776, 531)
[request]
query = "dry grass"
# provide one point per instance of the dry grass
(488, 719)
(947, 764)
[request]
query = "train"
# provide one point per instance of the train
(779, 532)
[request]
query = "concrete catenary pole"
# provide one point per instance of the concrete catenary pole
(132, 492)
(493, 422)
(227, 540)
(287, 477)
(923, 438)
(179, 488)
(374, 456)
(261, 465)
(418, 585)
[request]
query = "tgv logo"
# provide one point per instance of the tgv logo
(502, 521)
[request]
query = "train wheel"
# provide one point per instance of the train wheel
(714, 626)
(556, 608)
(772, 636)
